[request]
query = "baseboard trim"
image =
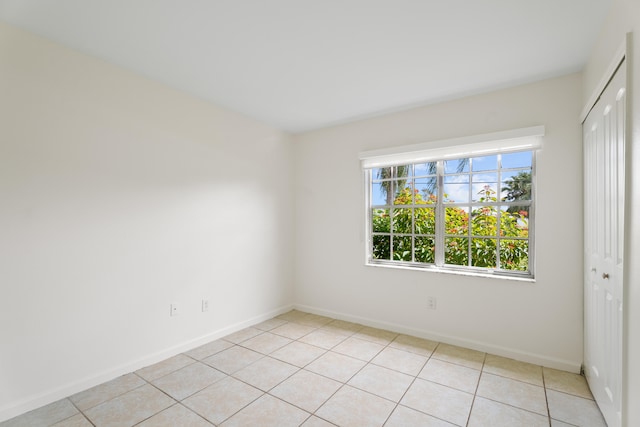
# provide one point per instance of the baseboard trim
(537, 359)
(33, 402)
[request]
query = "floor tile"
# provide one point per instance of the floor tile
(459, 355)
(268, 411)
(556, 423)
(165, 367)
(342, 327)
(414, 345)
(242, 335)
(486, 412)
(567, 382)
(439, 401)
(513, 369)
(78, 420)
(233, 359)
(292, 331)
(574, 410)
(304, 369)
(266, 373)
(306, 390)
(270, 324)
(406, 417)
(379, 336)
(336, 366)
(314, 320)
(382, 382)
(314, 421)
(359, 348)
(323, 338)
(221, 400)
(400, 360)
(209, 349)
(176, 415)
(44, 416)
(106, 391)
(299, 354)
(513, 392)
(452, 375)
(292, 316)
(188, 380)
(129, 408)
(266, 343)
(352, 407)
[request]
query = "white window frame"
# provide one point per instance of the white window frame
(526, 139)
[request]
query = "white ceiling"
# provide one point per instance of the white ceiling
(305, 64)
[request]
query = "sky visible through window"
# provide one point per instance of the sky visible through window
(456, 179)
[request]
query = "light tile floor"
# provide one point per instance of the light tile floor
(301, 369)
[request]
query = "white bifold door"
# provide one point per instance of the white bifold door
(604, 169)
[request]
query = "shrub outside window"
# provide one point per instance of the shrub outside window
(470, 213)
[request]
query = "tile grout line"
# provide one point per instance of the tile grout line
(475, 393)
(546, 397)
(415, 377)
(80, 412)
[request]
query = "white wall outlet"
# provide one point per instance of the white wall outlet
(431, 303)
(205, 305)
(175, 309)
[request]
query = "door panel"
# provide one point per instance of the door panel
(604, 151)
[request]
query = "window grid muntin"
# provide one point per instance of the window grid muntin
(440, 206)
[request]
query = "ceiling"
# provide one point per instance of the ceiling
(305, 64)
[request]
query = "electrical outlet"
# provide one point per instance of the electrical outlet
(175, 309)
(205, 305)
(431, 303)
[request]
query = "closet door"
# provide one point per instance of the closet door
(604, 168)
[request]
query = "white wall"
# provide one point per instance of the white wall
(623, 18)
(539, 322)
(119, 196)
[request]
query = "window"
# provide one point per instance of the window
(452, 211)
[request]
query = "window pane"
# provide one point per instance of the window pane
(456, 220)
(379, 192)
(456, 179)
(484, 222)
(402, 248)
(381, 247)
(514, 255)
(485, 163)
(424, 169)
(514, 221)
(456, 166)
(380, 173)
(456, 251)
(483, 253)
(456, 193)
(425, 221)
(403, 220)
(517, 160)
(484, 192)
(516, 186)
(404, 195)
(486, 178)
(425, 250)
(403, 171)
(381, 223)
(426, 190)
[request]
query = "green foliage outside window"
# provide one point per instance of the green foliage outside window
(477, 247)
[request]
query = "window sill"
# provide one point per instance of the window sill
(433, 269)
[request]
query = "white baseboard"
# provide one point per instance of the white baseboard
(14, 409)
(537, 359)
